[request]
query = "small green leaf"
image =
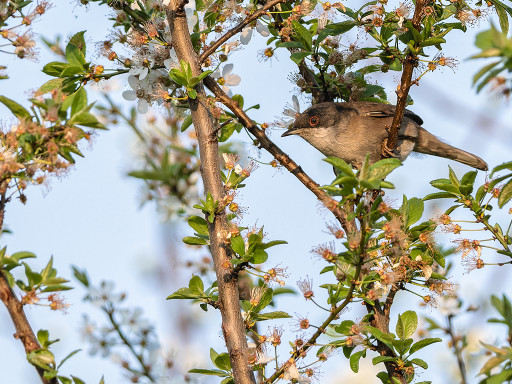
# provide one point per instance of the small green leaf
(423, 343)
(505, 194)
(238, 245)
(196, 285)
(199, 224)
(17, 109)
(297, 57)
(354, 360)
(191, 240)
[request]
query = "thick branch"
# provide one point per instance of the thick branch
(278, 154)
(380, 321)
(406, 81)
(232, 322)
(24, 331)
(232, 32)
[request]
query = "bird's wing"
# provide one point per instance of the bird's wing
(380, 110)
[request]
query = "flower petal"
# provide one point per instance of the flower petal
(227, 70)
(233, 80)
(133, 81)
(142, 106)
(129, 95)
(245, 36)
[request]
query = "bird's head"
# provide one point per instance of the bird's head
(320, 126)
(315, 119)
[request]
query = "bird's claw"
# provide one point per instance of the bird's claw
(386, 151)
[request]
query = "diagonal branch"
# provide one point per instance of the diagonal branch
(278, 154)
(24, 331)
(406, 81)
(14, 306)
(232, 32)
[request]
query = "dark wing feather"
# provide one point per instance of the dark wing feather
(380, 110)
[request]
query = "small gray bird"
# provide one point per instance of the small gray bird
(352, 130)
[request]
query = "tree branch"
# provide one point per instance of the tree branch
(24, 331)
(232, 323)
(278, 154)
(406, 81)
(232, 32)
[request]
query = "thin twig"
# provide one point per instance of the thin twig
(406, 81)
(232, 32)
(458, 351)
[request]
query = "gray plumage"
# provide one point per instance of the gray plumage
(352, 130)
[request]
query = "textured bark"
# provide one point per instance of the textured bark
(24, 331)
(232, 323)
(405, 82)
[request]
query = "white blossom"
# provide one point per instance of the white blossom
(246, 35)
(140, 90)
(226, 78)
(291, 111)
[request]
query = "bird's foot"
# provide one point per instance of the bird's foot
(386, 151)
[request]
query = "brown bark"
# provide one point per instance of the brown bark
(406, 81)
(232, 323)
(24, 331)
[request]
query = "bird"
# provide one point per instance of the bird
(351, 130)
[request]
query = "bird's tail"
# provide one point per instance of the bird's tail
(431, 145)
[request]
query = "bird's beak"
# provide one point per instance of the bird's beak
(291, 131)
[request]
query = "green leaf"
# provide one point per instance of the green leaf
(272, 315)
(186, 123)
(196, 285)
(199, 224)
(432, 41)
(78, 41)
(86, 119)
(191, 240)
(74, 56)
(414, 210)
(501, 167)
(439, 195)
(55, 68)
(81, 276)
(17, 109)
(382, 168)
(505, 194)
(297, 57)
(380, 359)
(210, 372)
(341, 165)
(423, 343)
(49, 86)
(406, 324)
(340, 28)
(222, 361)
(238, 245)
(419, 362)
(354, 360)
(303, 35)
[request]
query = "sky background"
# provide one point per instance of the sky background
(93, 218)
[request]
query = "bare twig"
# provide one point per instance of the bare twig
(406, 81)
(232, 323)
(232, 32)
(278, 154)
(458, 351)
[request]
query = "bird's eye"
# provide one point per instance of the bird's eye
(314, 120)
